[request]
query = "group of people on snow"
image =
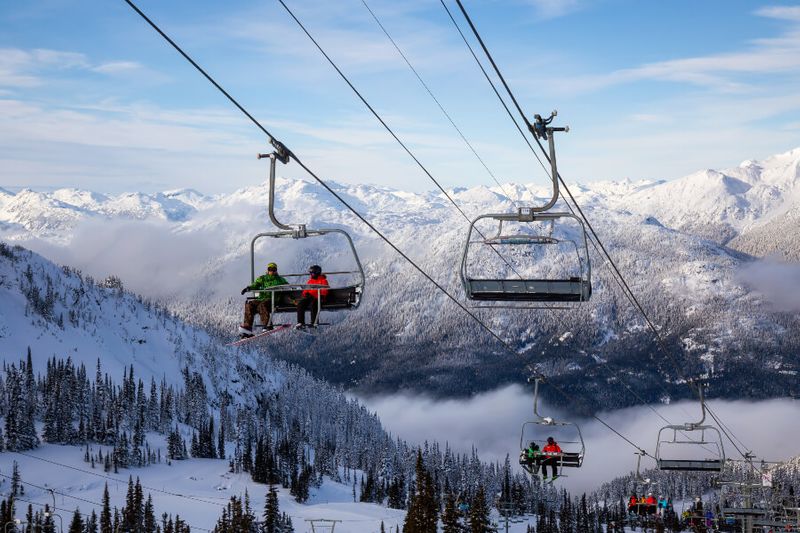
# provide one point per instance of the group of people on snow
(533, 457)
(310, 299)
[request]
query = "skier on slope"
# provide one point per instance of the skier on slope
(312, 298)
(553, 450)
(263, 304)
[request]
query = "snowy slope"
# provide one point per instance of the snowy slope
(200, 489)
(191, 251)
(115, 327)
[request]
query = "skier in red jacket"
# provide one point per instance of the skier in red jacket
(310, 298)
(553, 450)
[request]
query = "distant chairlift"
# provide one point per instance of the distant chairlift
(641, 487)
(537, 430)
(339, 297)
(667, 460)
(519, 289)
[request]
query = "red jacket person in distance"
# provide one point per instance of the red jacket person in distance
(310, 297)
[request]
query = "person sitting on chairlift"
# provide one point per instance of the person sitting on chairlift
(662, 505)
(263, 304)
(552, 449)
(651, 500)
(633, 501)
(529, 457)
(312, 298)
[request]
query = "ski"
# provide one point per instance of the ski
(275, 329)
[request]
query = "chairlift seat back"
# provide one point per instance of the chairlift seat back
(569, 459)
(690, 465)
(743, 511)
(533, 290)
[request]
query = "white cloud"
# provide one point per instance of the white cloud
(725, 72)
(35, 67)
(778, 282)
(116, 67)
(22, 68)
(550, 9)
(148, 256)
(132, 126)
(780, 12)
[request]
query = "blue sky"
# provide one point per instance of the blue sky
(91, 97)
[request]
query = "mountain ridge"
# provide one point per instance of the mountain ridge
(684, 269)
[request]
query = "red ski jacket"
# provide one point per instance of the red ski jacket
(552, 448)
(321, 280)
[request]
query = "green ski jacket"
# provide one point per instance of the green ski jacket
(265, 281)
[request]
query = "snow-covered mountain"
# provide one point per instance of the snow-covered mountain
(681, 244)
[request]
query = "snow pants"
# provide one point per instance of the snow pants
(307, 302)
(553, 464)
(251, 307)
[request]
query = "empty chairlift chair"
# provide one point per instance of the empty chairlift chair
(522, 278)
(676, 450)
(524, 251)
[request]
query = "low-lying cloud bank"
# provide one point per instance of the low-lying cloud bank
(492, 423)
(778, 282)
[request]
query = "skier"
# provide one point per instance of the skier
(529, 456)
(651, 500)
(311, 297)
(552, 450)
(262, 304)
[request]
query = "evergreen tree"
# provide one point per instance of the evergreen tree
(76, 526)
(149, 522)
(271, 512)
(91, 523)
(450, 517)
(479, 513)
(105, 514)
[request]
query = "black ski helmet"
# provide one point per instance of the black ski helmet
(315, 269)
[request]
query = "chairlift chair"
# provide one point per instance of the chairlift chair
(522, 290)
(322, 524)
(526, 289)
(642, 485)
(338, 298)
(706, 464)
(572, 452)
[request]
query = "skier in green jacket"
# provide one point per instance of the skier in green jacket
(528, 458)
(263, 304)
